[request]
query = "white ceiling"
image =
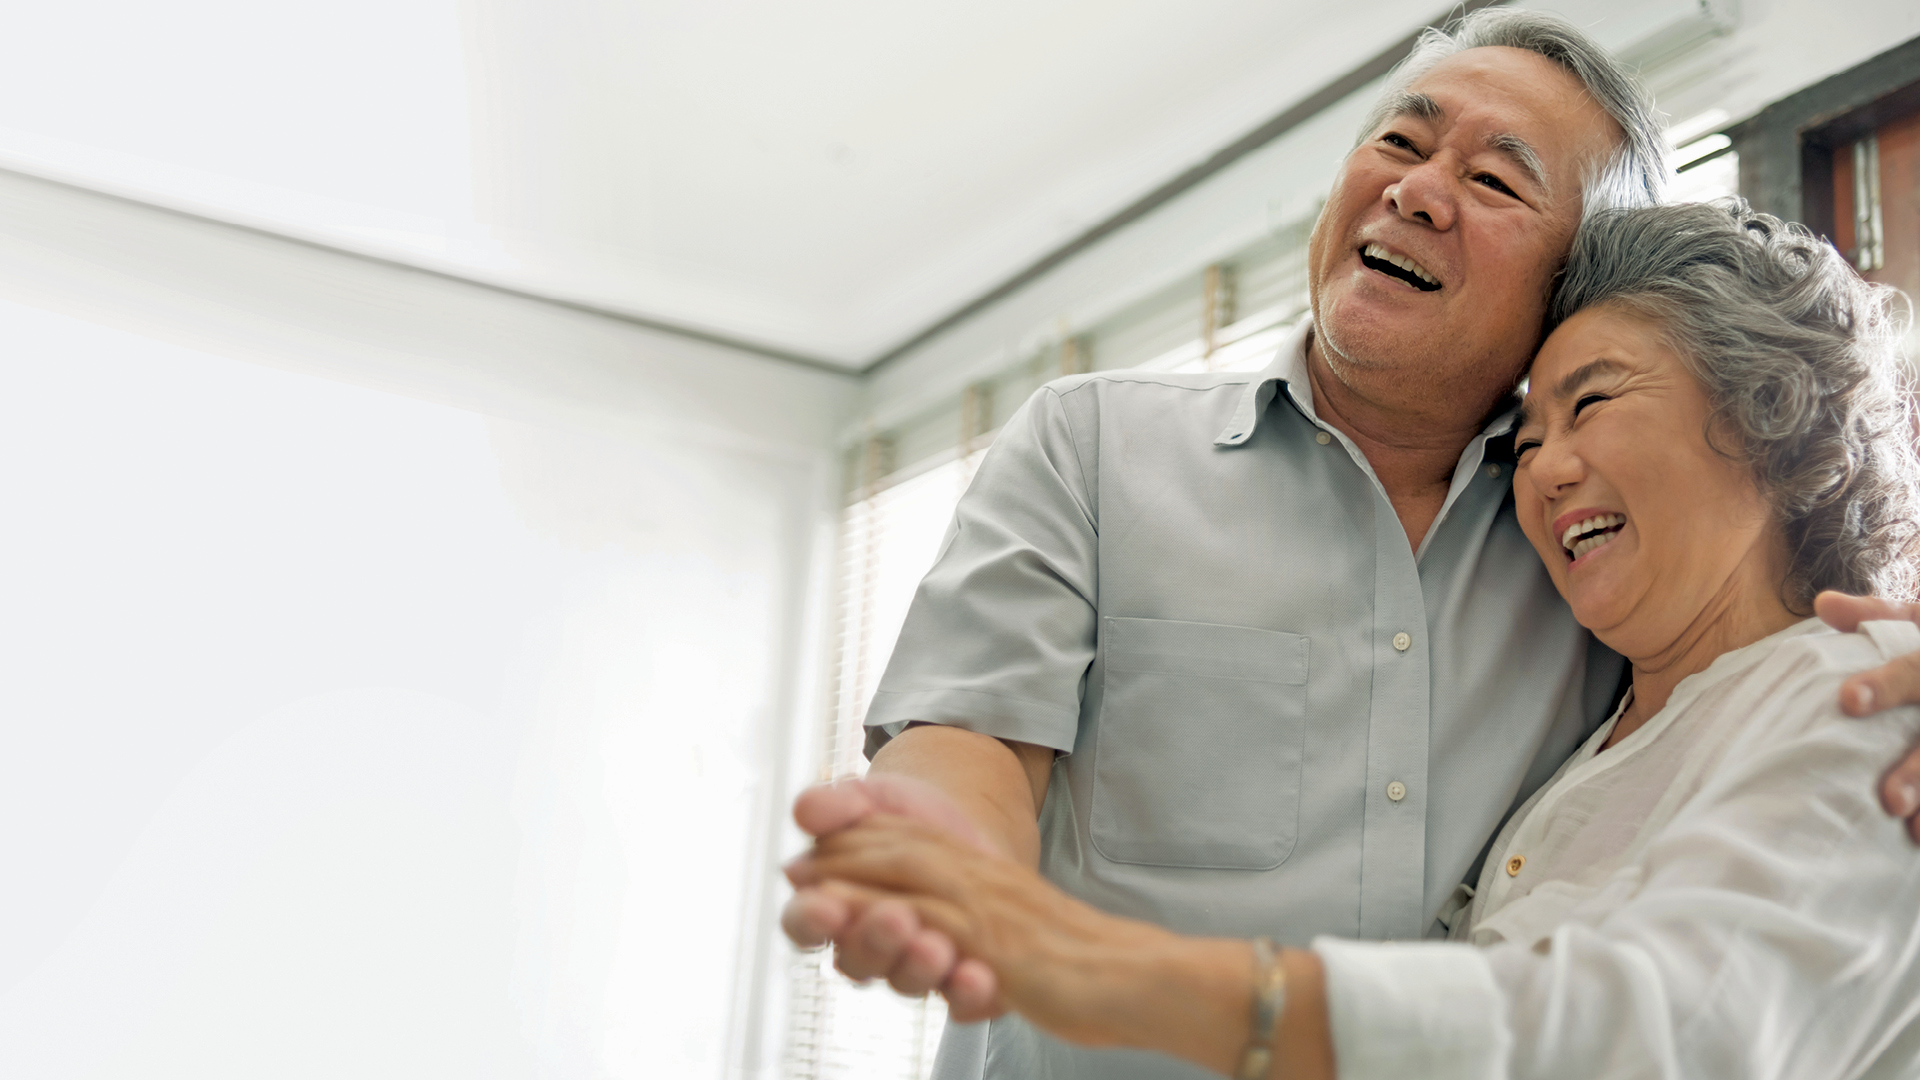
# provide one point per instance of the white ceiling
(822, 178)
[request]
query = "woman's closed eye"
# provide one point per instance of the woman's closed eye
(1524, 442)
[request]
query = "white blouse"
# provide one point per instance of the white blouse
(1719, 894)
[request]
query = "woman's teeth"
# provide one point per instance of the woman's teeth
(1584, 536)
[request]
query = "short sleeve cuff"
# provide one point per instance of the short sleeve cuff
(1404, 1009)
(1019, 719)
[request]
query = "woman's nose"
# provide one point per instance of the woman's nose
(1554, 468)
(1424, 195)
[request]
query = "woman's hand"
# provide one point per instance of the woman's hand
(1893, 684)
(1071, 969)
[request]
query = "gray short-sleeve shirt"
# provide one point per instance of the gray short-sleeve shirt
(1274, 717)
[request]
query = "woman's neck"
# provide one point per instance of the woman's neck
(1746, 610)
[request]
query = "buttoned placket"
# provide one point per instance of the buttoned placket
(1394, 825)
(1393, 830)
(1528, 837)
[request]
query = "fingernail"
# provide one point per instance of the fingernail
(1906, 798)
(1861, 697)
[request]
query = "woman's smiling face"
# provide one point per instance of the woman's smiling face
(1644, 527)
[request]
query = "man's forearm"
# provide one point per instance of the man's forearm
(998, 785)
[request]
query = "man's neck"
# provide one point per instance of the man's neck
(1413, 445)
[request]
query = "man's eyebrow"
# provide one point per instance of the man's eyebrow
(1415, 104)
(1524, 156)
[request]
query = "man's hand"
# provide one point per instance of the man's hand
(1895, 683)
(984, 792)
(885, 938)
(1052, 957)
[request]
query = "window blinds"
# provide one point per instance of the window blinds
(839, 1031)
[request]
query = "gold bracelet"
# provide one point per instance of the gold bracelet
(1269, 997)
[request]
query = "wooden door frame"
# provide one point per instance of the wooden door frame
(1786, 150)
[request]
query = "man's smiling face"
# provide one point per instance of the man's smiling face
(1432, 259)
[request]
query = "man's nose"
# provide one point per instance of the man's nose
(1423, 195)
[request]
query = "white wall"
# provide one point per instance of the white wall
(397, 679)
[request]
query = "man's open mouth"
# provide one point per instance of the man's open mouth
(1584, 536)
(1375, 257)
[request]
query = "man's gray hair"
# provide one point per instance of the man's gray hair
(1801, 360)
(1635, 174)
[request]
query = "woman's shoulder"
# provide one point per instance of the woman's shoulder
(1794, 690)
(1819, 653)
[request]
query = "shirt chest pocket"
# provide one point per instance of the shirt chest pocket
(1197, 762)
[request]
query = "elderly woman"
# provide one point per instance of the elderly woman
(1714, 432)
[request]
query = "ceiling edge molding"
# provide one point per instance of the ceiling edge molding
(707, 337)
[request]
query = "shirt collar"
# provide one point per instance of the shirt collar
(1289, 369)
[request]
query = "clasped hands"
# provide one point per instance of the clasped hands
(906, 891)
(876, 935)
(903, 886)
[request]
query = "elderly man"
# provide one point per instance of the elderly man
(1269, 655)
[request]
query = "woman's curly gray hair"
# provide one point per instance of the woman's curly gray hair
(1801, 362)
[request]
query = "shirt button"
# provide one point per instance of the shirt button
(1396, 791)
(1514, 864)
(1323, 438)
(1402, 641)
(1493, 471)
